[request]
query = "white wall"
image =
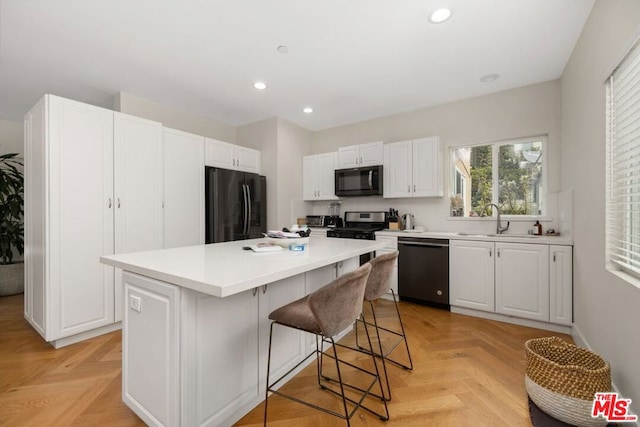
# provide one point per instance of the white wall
(11, 137)
(173, 118)
(522, 112)
(606, 309)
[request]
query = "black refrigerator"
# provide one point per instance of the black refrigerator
(235, 205)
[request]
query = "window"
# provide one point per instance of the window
(507, 173)
(623, 165)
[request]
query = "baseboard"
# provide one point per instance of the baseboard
(63, 342)
(561, 329)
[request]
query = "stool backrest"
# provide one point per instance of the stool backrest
(379, 281)
(338, 304)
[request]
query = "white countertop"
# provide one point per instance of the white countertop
(225, 269)
(506, 237)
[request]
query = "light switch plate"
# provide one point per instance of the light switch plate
(135, 303)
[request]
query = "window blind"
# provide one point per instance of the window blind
(623, 165)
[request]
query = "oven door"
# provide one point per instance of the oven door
(359, 181)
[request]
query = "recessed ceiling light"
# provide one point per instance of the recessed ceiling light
(307, 110)
(488, 78)
(260, 85)
(283, 49)
(439, 16)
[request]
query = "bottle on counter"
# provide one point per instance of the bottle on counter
(538, 228)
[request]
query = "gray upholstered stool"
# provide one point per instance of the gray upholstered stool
(325, 313)
(378, 284)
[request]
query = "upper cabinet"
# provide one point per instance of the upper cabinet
(231, 156)
(413, 168)
(318, 177)
(355, 156)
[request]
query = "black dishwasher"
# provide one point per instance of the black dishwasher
(423, 271)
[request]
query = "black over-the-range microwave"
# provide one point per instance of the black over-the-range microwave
(363, 181)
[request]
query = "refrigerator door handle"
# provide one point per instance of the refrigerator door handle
(249, 210)
(246, 209)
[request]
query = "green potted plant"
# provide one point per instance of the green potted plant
(11, 224)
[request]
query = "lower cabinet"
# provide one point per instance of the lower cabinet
(192, 359)
(531, 281)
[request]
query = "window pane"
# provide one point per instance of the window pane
(472, 180)
(520, 178)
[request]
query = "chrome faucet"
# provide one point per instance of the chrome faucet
(499, 228)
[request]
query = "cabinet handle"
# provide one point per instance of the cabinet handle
(255, 291)
(498, 253)
(109, 203)
(409, 188)
(490, 252)
(414, 188)
(118, 203)
(554, 257)
(264, 289)
(163, 204)
(356, 160)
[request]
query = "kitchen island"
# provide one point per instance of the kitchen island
(196, 327)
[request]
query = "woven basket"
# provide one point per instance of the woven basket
(562, 379)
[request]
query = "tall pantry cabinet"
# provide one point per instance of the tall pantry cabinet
(92, 187)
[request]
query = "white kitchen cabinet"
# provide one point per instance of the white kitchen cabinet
(522, 280)
(231, 156)
(561, 284)
(183, 192)
(69, 217)
(392, 246)
(137, 189)
(152, 335)
(355, 156)
(92, 187)
(220, 333)
(471, 274)
(413, 168)
(318, 177)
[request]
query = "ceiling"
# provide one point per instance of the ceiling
(349, 60)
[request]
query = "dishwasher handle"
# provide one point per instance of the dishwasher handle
(428, 245)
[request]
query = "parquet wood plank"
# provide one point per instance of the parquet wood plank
(468, 372)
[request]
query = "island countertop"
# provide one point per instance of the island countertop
(225, 269)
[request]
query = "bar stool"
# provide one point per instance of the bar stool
(378, 284)
(325, 313)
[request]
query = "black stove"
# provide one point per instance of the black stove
(360, 225)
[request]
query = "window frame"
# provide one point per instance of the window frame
(495, 176)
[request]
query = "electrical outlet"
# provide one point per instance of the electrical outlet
(135, 303)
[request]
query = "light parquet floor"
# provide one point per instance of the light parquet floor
(467, 372)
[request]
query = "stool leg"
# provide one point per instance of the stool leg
(266, 394)
(382, 356)
(373, 359)
(344, 399)
(404, 335)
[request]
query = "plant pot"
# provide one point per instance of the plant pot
(11, 279)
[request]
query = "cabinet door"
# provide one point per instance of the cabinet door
(288, 346)
(309, 177)
(183, 191)
(138, 189)
(371, 154)
(561, 284)
(247, 159)
(219, 154)
(80, 217)
(326, 176)
(151, 350)
(397, 170)
(348, 157)
(427, 167)
(522, 280)
(220, 364)
(471, 274)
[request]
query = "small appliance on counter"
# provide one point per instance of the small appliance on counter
(315, 220)
(408, 221)
(332, 221)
